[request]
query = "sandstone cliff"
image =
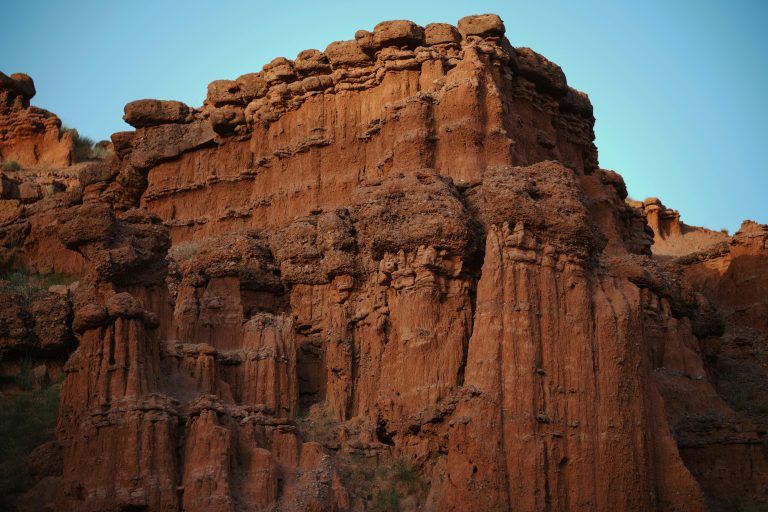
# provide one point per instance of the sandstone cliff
(389, 275)
(671, 236)
(29, 136)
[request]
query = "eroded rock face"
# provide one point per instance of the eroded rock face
(403, 98)
(672, 237)
(29, 135)
(389, 270)
(721, 284)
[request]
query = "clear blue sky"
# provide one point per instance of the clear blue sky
(679, 87)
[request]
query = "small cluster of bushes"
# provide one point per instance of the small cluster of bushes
(24, 379)
(318, 425)
(184, 250)
(386, 487)
(26, 421)
(85, 147)
(742, 505)
(31, 285)
(744, 399)
(399, 480)
(10, 165)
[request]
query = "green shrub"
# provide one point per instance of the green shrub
(31, 285)
(318, 426)
(386, 500)
(184, 250)
(740, 398)
(24, 378)
(383, 486)
(358, 473)
(85, 148)
(99, 152)
(10, 165)
(406, 474)
(27, 421)
(745, 505)
(19, 283)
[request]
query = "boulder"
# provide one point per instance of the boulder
(145, 113)
(440, 33)
(311, 62)
(90, 316)
(343, 54)
(398, 33)
(225, 119)
(483, 25)
(123, 305)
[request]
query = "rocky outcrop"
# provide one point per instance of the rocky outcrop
(673, 237)
(719, 421)
(457, 104)
(33, 320)
(386, 274)
(731, 274)
(30, 136)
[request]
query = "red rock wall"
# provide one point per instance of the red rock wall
(458, 107)
(29, 135)
(561, 387)
(396, 253)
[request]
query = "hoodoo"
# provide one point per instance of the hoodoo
(388, 275)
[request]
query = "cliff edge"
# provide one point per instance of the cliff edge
(389, 275)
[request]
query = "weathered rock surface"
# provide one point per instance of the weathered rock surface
(146, 113)
(390, 273)
(29, 135)
(671, 236)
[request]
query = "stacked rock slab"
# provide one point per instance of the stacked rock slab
(398, 252)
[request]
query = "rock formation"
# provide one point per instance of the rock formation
(30, 136)
(671, 236)
(389, 275)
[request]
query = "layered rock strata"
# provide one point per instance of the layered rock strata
(30, 136)
(387, 274)
(672, 237)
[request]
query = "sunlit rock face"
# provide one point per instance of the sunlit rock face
(386, 274)
(30, 136)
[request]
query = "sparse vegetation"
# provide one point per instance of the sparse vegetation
(405, 474)
(99, 152)
(740, 398)
(24, 378)
(359, 474)
(10, 165)
(26, 421)
(30, 286)
(85, 147)
(184, 250)
(742, 505)
(384, 486)
(318, 425)
(386, 500)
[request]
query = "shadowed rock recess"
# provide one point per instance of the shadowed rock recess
(389, 275)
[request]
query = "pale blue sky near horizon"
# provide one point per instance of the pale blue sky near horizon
(678, 87)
